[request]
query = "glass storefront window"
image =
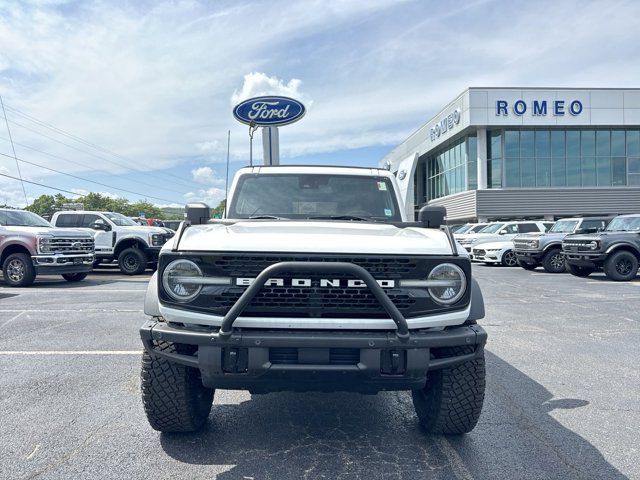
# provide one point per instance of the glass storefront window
(539, 157)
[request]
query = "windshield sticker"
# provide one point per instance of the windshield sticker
(387, 212)
(382, 186)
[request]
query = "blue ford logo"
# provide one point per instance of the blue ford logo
(269, 111)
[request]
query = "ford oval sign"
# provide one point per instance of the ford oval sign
(269, 111)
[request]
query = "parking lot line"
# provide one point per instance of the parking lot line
(71, 352)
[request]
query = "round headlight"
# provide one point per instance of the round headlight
(593, 245)
(180, 280)
(452, 283)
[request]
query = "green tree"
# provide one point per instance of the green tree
(219, 210)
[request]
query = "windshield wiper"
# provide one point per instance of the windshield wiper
(343, 217)
(265, 217)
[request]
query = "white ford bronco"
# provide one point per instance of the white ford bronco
(117, 237)
(315, 280)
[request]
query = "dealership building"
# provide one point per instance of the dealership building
(507, 153)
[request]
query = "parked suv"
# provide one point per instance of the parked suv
(535, 249)
(117, 237)
(616, 250)
(315, 281)
(501, 231)
(30, 246)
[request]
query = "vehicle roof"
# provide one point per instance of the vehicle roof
(84, 211)
(628, 215)
(321, 169)
(604, 217)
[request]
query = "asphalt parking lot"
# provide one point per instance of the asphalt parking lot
(563, 395)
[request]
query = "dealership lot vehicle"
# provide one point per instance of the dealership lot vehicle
(30, 246)
(616, 250)
(501, 253)
(468, 229)
(72, 409)
(534, 249)
(501, 231)
(117, 238)
(357, 299)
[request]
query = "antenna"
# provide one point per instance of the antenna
(252, 129)
(14, 153)
(226, 185)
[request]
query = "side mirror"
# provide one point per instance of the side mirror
(432, 216)
(502, 232)
(100, 225)
(197, 213)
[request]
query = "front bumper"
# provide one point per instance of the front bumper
(55, 264)
(584, 259)
(265, 360)
(529, 256)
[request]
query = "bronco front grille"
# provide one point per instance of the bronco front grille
(317, 299)
(252, 265)
(523, 244)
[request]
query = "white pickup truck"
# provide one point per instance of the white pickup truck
(314, 280)
(117, 237)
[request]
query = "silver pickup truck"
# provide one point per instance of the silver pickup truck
(30, 246)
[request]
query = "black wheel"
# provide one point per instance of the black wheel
(509, 259)
(580, 271)
(452, 400)
(74, 277)
(173, 395)
(527, 266)
(621, 266)
(132, 261)
(18, 270)
(553, 261)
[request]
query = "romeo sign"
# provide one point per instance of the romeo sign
(269, 111)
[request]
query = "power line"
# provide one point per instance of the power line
(39, 184)
(24, 191)
(87, 180)
(90, 144)
(89, 153)
(76, 163)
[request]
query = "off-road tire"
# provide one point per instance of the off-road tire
(74, 277)
(173, 395)
(452, 400)
(509, 259)
(527, 266)
(132, 261)
(579, 271)
(18, 270)
(553, 261)
(621, 266)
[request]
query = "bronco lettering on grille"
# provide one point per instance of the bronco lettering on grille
(307, 283)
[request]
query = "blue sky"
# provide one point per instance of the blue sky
(149, 86)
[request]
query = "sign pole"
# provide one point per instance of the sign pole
(271, 145)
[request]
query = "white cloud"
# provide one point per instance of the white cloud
(258, 83)
(211, 196)
(207, 176)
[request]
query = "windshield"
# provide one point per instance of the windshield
(564, 226)
(464, 228)
(21, 218)
(492, 228)
(349, 197)
(119, 219)
(624, 224)
(477, 228)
